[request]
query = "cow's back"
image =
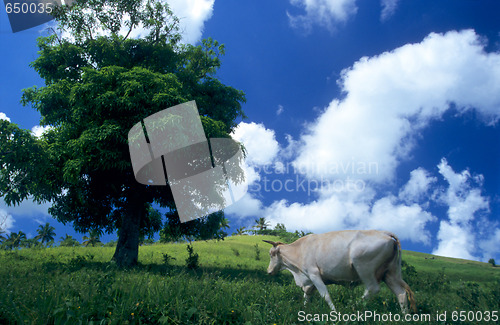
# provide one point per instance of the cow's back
(335, 252)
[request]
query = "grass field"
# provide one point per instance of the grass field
(79, 285)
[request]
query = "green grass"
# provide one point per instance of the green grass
(65, 285)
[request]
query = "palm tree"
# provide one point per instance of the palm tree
(14, 240)
(224, 223)
(261, 223)
(46, 233)
(68, 241)
(240, 231)
(92, 240)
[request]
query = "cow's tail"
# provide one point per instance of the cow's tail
(398, 256)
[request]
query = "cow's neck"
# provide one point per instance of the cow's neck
(290, 259)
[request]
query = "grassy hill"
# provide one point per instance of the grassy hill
(64, 285)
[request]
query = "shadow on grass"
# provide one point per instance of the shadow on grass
(231, 274)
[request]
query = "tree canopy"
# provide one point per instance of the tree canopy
(99, 82)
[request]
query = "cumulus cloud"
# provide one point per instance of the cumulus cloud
(3, 116)
(325, 13)
(354, 210)
(6, 221)
(418, 186)
(192, 14)
(38, 130)
(247, 206)
(464, 200)
(390, 97)
(260, 143)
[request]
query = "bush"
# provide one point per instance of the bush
(257, 252)
(192, 260)
(492, 262)
(167, 259)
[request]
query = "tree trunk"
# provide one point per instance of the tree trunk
(127, 248)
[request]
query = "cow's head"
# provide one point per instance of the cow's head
(276, 263)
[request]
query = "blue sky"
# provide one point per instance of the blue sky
(361, 114)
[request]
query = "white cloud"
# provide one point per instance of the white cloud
(388, 8)
(260, 143)
(4, 117)
(464, 200)
(6, 221)
(27, 208)
(407, 221)
(325, 13)
(353, 210)
(38, 130)
(489, 246)
(417, 187)
(246, 207)
(390, 97)
(192, 14)
(455, 241)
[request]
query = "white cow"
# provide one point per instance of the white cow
(369, 256)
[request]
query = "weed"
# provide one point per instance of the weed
(167, 259)
(192, 260)
(257, 252)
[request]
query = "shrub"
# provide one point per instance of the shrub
(492, 262)
(257, 252)
(192, 260)
(167, 259)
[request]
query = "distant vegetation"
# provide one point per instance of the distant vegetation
(228, 285)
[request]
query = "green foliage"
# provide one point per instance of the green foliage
(46, 233)
(236, 252)
(68, 241)
(192, 259)
(96, 88)
(92, 239)
(257, 252)
(492, 262)
(167, 259)
(14, 240)
(279, 230)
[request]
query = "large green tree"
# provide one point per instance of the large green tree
(99, 82)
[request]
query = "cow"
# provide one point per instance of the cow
(367, 256)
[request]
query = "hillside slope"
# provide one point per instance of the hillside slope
(79, 285)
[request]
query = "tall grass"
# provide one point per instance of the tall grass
(66, 285)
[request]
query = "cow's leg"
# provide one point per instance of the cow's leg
(396, 286)
(308, 290)
(372, 286)
(322, 289)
